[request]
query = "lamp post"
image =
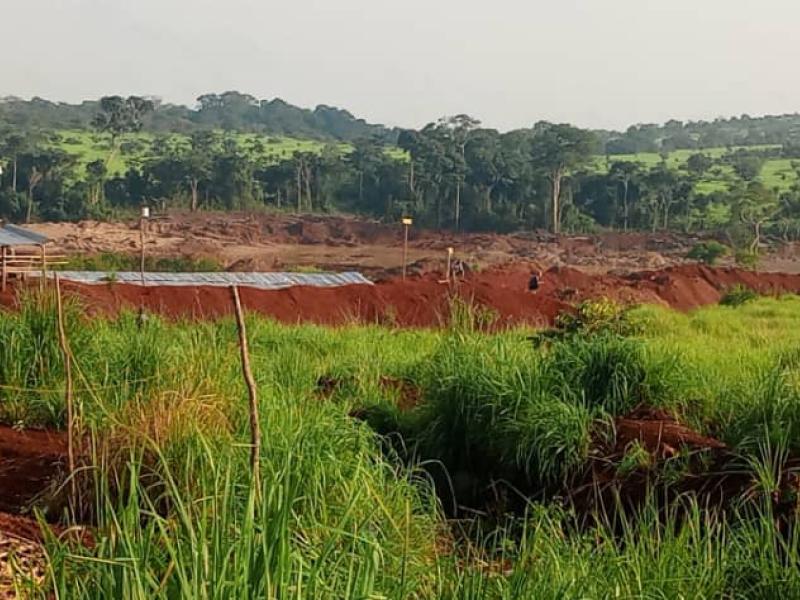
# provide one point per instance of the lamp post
(142, 220)
(407, 222)
(449, 262)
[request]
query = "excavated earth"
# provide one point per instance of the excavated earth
(425, 301)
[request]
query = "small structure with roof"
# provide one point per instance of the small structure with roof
(22, 252)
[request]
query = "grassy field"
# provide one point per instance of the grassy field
(348, 507)
(777, 173)
(88, 146)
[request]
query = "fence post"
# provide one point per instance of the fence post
(255, 426)
(64, 343)
(43, 257)
(3, 268)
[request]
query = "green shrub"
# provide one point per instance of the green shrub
(707, 252)
(118, 261)
(746, 259)
(738, 295)
(591, 317)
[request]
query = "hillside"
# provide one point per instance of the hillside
(229, 111)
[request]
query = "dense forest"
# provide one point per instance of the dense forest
(235, 111)
(453, 173)
(230, 111)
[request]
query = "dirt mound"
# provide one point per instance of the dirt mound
(425, 301)
(650, 452)
(659, 434)
(408, 394)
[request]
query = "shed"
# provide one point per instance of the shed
(21, 251)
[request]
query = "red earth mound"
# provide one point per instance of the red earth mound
(660, 434)
(425, 302)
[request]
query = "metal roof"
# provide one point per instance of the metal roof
(12, 235)
(264, 281)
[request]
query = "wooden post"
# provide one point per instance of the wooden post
(3, 271)
(64, 343)
(405, 251)
(43, 257)
(141, 243)
(255, 426)
(407, 222)
(449, 263)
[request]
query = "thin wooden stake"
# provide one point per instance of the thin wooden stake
(43, 257)
(4, 274)
(141, 247)
(405, 250)
(64, 343)
(255, 426)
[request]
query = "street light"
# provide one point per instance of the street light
(449, 262)
(144, 217)
(407, 222)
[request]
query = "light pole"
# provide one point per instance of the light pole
(449, 262)
(407, 222)
(144, 217)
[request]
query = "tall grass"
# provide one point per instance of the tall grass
(341, 516)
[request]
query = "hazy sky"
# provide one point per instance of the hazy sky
(598, 63)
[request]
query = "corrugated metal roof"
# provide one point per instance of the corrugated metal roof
(264, 281)
(11, 235)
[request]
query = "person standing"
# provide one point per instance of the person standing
(535, 281)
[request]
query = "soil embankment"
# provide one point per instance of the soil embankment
(425, 302)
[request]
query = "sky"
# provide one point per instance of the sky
(510, 63)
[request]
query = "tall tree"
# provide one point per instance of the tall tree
(119, 116)
(485, 168)
(557, 149)
(11, 147)
(624, 173)
(197, 161)
(755, 207)
(365, 159)
(460, 128)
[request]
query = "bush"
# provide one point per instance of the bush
(707, 252)
(601, 315)
(738, 295)
(747, 259)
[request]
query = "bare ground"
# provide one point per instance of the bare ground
(264, 242)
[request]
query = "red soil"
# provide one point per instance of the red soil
(31, 465)
(424, 302)
(29, 462)
(660, 434)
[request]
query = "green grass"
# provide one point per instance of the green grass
(345, 513)
(777, 173)
(117, 261)
(89, 146)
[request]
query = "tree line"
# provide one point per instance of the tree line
(229, 111)
(237, 111)
(451, 174)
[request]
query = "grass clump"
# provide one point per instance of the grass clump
(738, 295)
(708, 252)
(114, 262)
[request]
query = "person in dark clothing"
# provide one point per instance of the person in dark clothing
(534, 282)
(460, 270)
